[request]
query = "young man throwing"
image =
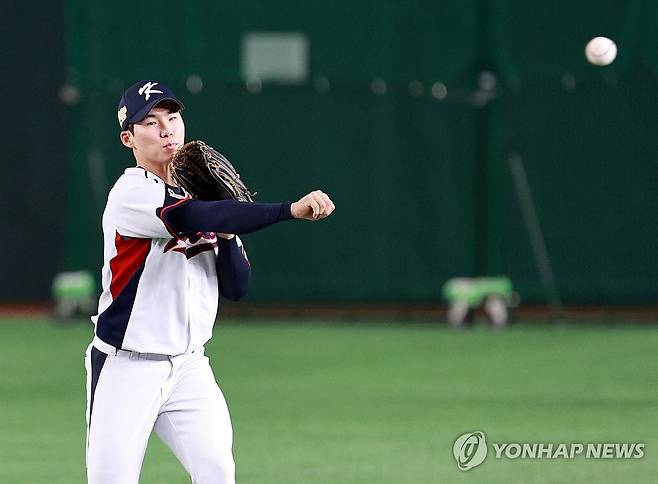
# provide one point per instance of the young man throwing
(167, 260)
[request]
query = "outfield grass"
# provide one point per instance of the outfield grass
(331, 403)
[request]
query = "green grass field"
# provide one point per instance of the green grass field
(362, 403)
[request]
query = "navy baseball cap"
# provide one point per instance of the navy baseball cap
(140, 98)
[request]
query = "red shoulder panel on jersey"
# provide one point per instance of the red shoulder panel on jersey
(131, 254)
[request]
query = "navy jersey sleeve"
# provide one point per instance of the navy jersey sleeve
(225, 216)
(233, 268)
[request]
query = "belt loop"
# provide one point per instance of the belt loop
(104, 347)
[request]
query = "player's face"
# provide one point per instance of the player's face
(158, 136)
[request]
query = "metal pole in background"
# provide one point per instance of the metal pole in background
(536, 236)
(482, 120)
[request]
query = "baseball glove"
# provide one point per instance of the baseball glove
(206, 174)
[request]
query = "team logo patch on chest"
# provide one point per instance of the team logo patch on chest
(194, 245)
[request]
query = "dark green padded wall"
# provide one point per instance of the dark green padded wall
(422, 185)
(33, 198)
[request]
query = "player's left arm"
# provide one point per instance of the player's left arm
(233, 268)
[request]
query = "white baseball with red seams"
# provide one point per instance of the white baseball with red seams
(601, 51)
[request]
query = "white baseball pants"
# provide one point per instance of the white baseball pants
(128, 396)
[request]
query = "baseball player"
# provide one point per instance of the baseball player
(168, 259)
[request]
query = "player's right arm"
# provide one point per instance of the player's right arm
(225, 216)
(141, 206)
(233, 217)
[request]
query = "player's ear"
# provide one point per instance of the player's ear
(126, 138)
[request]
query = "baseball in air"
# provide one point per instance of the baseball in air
(601, 51)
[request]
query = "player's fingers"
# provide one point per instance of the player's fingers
(330, 205)
(326, 204)
(317, 196)
(313, 205)
(327, 211)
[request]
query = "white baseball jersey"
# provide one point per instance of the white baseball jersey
(160, 291)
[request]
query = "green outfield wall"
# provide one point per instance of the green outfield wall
(35, 144)
(409, 116)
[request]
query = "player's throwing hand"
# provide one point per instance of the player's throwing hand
(314, 206)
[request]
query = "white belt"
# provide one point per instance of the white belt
(133, 355)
